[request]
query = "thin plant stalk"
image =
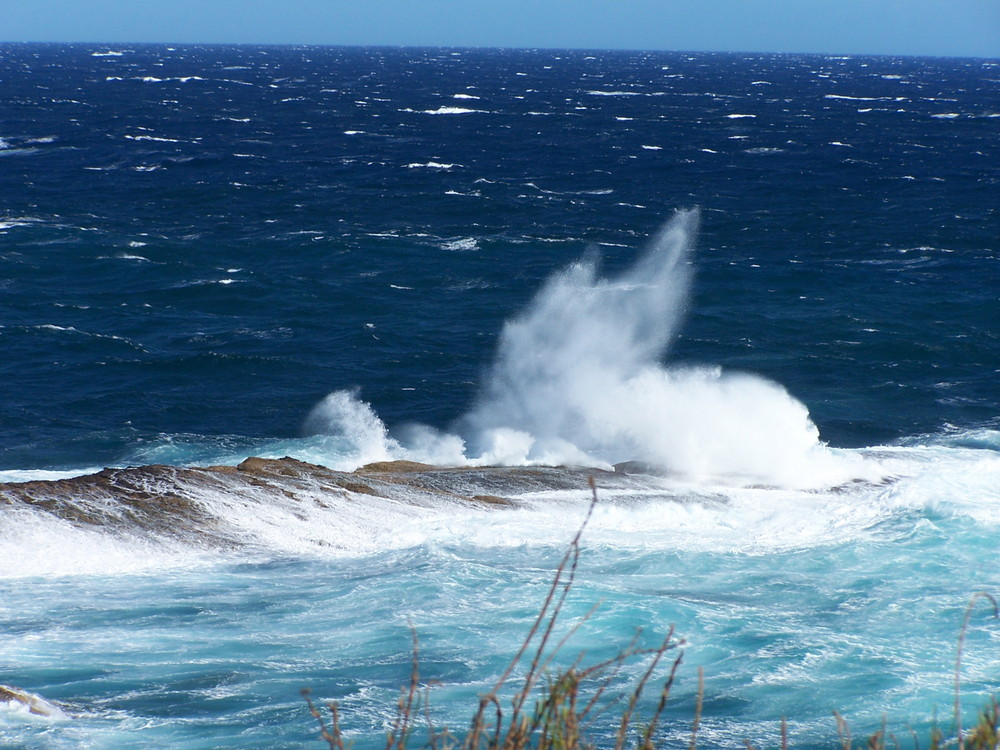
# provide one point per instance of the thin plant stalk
(958, 658)
(697, 708)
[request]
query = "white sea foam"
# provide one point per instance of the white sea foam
(155, 138)
(179, 79)
(7, 150)
(431, 165)
(18, 222)
(30, 708)
(452, 111)
(41, 545)
(959, 479)
(673, 514)
(463, 244)
(42, 475)
(614, 93)
(78, 332)
(858, 98)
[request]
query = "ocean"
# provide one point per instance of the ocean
(755, 298)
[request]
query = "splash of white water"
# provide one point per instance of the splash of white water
(578, 379)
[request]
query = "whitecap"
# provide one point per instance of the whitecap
(155, 138)
(77, 331)
(452, 111)
(613, 93)
(179, 79)
(18, 222)
(739, 117)
(464, 244)
(858, 98)
(10, 151)
(431, 165)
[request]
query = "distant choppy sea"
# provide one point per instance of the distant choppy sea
(771, 282)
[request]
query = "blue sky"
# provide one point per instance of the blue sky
(965, 28)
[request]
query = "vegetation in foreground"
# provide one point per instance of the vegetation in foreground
(551, 710)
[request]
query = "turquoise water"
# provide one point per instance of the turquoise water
(791, 601)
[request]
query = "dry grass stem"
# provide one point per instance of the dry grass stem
(958, 657)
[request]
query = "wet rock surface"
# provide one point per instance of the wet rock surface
(171, 501)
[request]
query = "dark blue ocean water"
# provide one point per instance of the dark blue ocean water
(207, 240)
(199, 244)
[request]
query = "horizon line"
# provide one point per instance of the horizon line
(459, 47)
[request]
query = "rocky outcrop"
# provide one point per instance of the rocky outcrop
(171, 501)
(35, 704)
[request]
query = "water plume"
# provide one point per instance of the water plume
(354, 428)
(579, 378)
(579, 340)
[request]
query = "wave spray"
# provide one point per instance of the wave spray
(579, 379)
